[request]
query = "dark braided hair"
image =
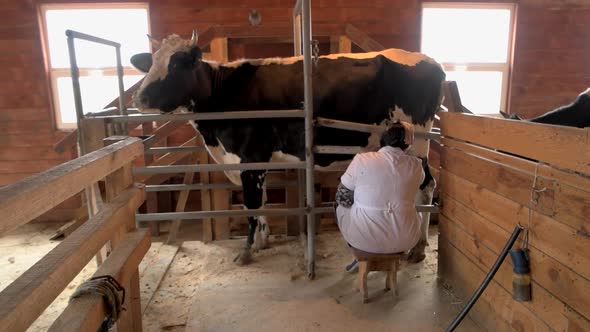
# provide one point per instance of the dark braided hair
(395, 136)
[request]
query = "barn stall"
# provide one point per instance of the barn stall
(267, 292)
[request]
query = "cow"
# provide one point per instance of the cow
(575, 114)
(369, 88)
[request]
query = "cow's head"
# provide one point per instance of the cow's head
(173, 79)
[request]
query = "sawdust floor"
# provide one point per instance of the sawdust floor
(204, 290)
(23, 247)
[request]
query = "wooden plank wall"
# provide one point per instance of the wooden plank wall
(549, 66)
(485, 193)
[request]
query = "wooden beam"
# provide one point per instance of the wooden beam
(468, 276)
(274, 31)
(86, 313)
(564, 147)
(219, 49)
(27, 199)
(552, 238)
(221, 201)
(26, 298)
(151, 203)
(205, 198)
(162, 132)
(554, 285)
(361, 39)
(565, 199)
(167, 159)
(181, 203)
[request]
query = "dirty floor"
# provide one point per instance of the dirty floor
(203, 290)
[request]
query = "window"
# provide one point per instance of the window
(473, 43)
(126, 24)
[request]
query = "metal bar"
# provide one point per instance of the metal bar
(216, 214)
(328, 208)
(122, 107)
(82, 149)
(334, 149)
(238, 213)
(202, 186)
(80, 35)
(168, 149)
(207, 116)
(77, 94)
(367, 128)
(227, 213)
(347, 125)
(309, 162)
(216, 167)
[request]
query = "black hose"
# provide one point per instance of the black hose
(486, 281)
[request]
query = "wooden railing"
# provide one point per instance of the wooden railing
(114, 224)
(486, 192)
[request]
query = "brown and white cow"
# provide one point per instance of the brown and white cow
(370, 88)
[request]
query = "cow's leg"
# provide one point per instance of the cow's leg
(424, 197)
(252, 185)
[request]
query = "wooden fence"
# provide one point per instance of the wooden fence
(113, 225)
(485, 192)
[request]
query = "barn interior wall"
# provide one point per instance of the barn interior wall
(552, 41)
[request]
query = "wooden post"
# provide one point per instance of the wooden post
(219, 49)
(221, 201)
(115, 183)
(292, 201)
(151, 202)
(94, 134)
(205, 198)
(340, 44)
(181, 203)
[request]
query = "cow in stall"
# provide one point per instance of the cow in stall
(575, 114)
(370, 88)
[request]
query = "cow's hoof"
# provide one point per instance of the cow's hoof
(416, 257)
(243, 258)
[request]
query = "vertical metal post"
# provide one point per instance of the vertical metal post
(309, 169)
(75, 72)
(300, 173)
(122, 107)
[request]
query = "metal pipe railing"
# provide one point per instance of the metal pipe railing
(308, 106)
(204, 186)
(217, 167)
(368, 128)
(248, 213)
(168, 149)
(206, 116)
(71, 34)
(337, 149)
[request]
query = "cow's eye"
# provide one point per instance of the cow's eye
(180, 61)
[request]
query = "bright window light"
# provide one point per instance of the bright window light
(480, 91)
(126, 26)
(472, 42)
(96, 90)
(125, 23)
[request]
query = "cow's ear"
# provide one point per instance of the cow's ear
(142, 61)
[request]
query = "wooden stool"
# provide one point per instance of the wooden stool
(377, 262)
